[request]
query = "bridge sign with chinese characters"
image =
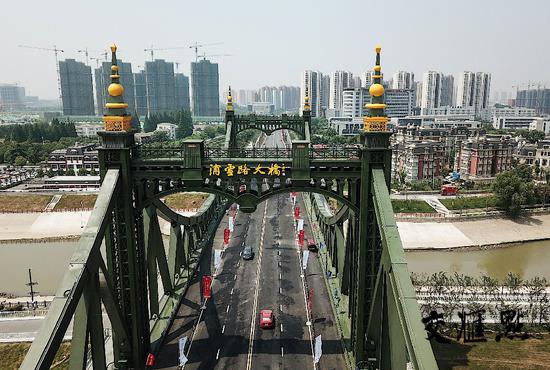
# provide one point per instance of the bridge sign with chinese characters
(230, 170)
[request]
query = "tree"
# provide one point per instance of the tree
(93, 172)
(160, 136)
(149, 124)
(70, 172)
(40, 172)
(20, 161)
(82, 171)
(513, 190)
(185, 124)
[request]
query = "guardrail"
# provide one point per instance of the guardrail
(224, 153)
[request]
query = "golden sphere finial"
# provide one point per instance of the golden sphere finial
(115, 89)
(113, 48)
(376, 90)
(378, 48)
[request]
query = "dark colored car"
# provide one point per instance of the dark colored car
(311, 245)
(248, 253)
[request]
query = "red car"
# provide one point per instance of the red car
(267, 320)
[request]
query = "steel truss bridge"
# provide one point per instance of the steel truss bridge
(119, 256)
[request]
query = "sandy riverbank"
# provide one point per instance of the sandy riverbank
(42, 225)
(475, 233)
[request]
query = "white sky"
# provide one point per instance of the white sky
(271, 42)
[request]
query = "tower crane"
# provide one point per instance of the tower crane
(85, 51)
(196, 47)
(153, 49)
(204, 56)
(56, 51)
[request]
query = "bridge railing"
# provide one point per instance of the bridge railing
(225, 153)
(335, 152)
(395, 320)
(338, 152)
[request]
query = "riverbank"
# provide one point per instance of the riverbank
(480, 233)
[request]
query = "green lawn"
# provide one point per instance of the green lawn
(508, 354)
(76, 201)
(469, 202)
(411, 206)
(12, 355)
(23, 203)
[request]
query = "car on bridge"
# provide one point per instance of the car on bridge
(267, 319)
(248, 253)
(311, 245)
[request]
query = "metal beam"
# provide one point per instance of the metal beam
(67, 297)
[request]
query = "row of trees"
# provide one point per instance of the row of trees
(181, 118)
(20, 154)
(452, 293)
(38, 132)
(321, 133)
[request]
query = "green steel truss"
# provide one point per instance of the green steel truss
(267, 124)
(384, 318)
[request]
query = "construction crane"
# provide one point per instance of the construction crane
(85, 51)
(97, 61)
(153, 49)
(204, 56)
(56, 51)
(196, 46)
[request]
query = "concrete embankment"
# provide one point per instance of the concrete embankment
(474, 233)
(58, 225)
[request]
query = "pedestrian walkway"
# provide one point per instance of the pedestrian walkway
(437, 205)
(53, 202)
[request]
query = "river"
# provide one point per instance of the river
(48, 262)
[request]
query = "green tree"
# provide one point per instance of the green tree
(185, 124)
(70, 172)
(93, 172)
(160, 136)
(82, 171)
(20, 161)
(149, 124)
(513, 189)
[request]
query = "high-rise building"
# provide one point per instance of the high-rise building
(403, 80)
(325, 92)
(182, 91)
(447, 91)
(140, 93)
(340, 80)
(161, 89)
(77, 93)
(431, 90)
(482, 92)
(12, 97)
(418, 93)
(538, 99)
(103, 79)
(367, 79)
(474, 90)
(354, 100)
(312, 84)
(205, 88)
(357, 81)
(399, 102)
(466, 89)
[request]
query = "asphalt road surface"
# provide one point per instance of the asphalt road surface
(226, 333)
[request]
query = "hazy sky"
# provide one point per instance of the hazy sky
(271, 42)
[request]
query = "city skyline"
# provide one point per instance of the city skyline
(456, 46)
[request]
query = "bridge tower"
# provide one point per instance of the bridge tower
(125, 252)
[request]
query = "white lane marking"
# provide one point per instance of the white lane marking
(235, 277)
(281, 307)
(223, 329)
(282, 328)
(256, 291)
(279, 276)
(279, 252)
(282, 352)
(240, 253)
(242, 244)
(280, 290)
(218, 354)
(305, 303)
(227, 310)
(231, 291)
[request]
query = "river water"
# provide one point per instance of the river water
(48, 262)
